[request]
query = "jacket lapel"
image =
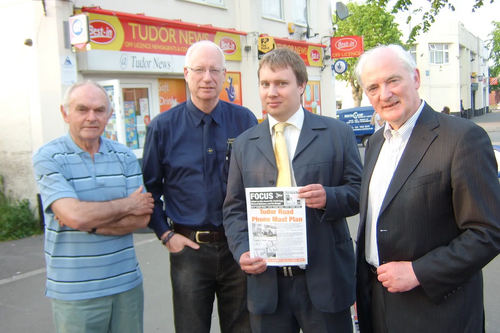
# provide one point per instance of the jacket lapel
(261, 136)
(421, 138)
(307, 133)
(371, 155)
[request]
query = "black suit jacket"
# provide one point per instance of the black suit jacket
(326, 154)
(441, 212)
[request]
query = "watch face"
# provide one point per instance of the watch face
(340, 66)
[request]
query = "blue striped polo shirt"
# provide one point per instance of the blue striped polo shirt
(82, 265)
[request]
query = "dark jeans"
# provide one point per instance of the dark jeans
(197, 276)
(295, 311)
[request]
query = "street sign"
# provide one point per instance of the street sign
(79, 29)
(266, 44)
(340, 66)
(346, 47)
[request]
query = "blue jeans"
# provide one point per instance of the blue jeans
(197, 276)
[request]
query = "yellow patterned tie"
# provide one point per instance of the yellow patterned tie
(281, 154)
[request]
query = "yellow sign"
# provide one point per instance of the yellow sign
(266, 44)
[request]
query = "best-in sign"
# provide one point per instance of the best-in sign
(346, 47)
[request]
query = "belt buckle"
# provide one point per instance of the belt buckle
(289, 273)
(199, 233)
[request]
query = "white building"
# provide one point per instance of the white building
(139, 58)
(453, 66)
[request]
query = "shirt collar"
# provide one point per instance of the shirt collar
(296, 120)
(405, 130)
(70, 143)
(197, 114)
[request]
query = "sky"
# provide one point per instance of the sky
(478, 22)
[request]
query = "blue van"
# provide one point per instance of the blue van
(359, 119)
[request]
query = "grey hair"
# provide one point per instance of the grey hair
(187, 59)
(69, 92)
(406, 59)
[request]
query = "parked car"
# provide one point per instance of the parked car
(359, 119)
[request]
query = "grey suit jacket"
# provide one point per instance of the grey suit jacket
(326, 154)
(441, 211)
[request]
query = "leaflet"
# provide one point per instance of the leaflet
(277, 225)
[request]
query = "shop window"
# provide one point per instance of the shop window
(300, 11)
(272, 9)
(172, 92)
(311, 97)
(439, 54)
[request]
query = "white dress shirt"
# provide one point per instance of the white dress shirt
(291, 133)
(387, 162)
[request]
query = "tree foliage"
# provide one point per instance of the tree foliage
(494, 46)
(428, 16)
(377, 26)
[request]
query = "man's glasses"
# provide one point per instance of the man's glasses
(202, 71)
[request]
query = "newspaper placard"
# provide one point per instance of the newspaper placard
(277, 225)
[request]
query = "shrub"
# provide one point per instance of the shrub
(17, 219)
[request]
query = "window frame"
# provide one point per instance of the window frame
(270, 17)
(219, 4)
(301, 24)
(439, 50)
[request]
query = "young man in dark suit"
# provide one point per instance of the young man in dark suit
(324, 161)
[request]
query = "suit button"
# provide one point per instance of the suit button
(271, 182)
(445, 297)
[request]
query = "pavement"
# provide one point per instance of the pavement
(24, 308)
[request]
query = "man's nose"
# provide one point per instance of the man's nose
(91, 116)
(385, 92)
(206, 76)
(273, 90)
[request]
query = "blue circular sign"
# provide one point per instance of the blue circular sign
(340, 66)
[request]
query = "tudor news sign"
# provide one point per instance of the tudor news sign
(346, 47)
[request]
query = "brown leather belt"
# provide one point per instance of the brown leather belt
(290, 270)
(200, 236)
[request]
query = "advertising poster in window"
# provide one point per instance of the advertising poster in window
(110, 130)
(130, 124)
(142, 120)
(231, 90)
(172, 92)
(312, 99)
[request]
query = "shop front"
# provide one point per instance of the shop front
(139, 60)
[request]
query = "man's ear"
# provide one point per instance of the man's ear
(111, 113)
(64, 114)
(417, 78)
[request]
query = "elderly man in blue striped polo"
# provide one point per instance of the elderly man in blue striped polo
(93, 199)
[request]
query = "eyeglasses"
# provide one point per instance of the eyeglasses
(202, 71)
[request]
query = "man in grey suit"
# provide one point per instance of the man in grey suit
(429, 208)
(326, 164)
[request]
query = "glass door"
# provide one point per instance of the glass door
(132, 107)
(137, 113)
(114, 128)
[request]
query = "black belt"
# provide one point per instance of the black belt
(200, 236)
(290, 270)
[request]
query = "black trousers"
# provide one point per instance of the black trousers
(295, 311)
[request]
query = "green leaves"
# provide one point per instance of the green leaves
(376, 25)
(16, 218)
(493, 45)
(427, 17)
